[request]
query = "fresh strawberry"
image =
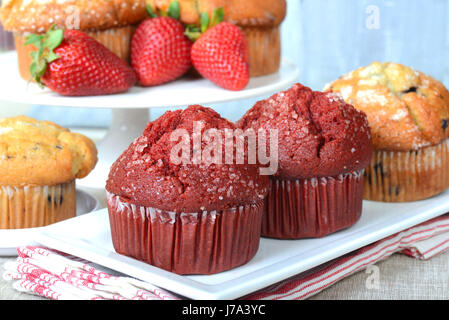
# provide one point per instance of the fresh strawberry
(221, 55)
(160, 52)
(74, 64)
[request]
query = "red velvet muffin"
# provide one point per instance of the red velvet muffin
(188, 218)
(324, 145)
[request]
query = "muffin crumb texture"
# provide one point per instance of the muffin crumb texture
(145, 175)
(406, 109)
(37, 16)
(249, 13)
(319, 134)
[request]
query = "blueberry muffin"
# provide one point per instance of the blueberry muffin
(408, 112)
(39, 162)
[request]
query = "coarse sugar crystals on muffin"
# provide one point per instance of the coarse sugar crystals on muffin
(188, 217)
(408, 112)
(39, 162)
(110, 22)
(324, 146)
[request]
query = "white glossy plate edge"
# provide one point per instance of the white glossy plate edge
(242, 286)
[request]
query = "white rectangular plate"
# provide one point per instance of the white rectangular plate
(89, 237)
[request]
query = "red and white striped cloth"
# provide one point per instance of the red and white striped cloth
(422, 241)
(59, 276)
(56, 275)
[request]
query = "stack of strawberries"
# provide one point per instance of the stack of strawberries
(162, 49)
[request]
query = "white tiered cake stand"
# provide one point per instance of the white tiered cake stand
(130, 110)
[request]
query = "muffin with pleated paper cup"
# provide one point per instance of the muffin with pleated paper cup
(172, 208)
(39, 162)
(110, 22)
(408, 112)
(323, 146)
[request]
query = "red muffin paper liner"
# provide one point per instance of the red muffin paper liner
(311, 208)
(186, 243)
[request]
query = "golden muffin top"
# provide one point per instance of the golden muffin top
(42, 153)
(406, 109)
(245, 13)
(38, 16)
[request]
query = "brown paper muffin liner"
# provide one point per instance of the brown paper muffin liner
(311, 208)
(398, 176)
(264, 46)
(118, 40)
(36, 206)
(186, 243)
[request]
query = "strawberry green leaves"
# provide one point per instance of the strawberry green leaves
(45, 44)
(150, 11)
(217, 17)
(173, 11)
(75, 64)
(205, 21)
(193, 32)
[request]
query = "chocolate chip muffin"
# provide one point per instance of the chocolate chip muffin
(408, 112)
(39, 162)
(186, 217)
(324, 144)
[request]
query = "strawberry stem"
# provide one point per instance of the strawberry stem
(174, 10)
(150, 11)
(217, 16)
(45, 44)
(193, 32)
(204, 22)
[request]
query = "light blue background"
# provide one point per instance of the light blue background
(327, 38)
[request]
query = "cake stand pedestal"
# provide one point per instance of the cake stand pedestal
(126, 125)
(130, 110)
